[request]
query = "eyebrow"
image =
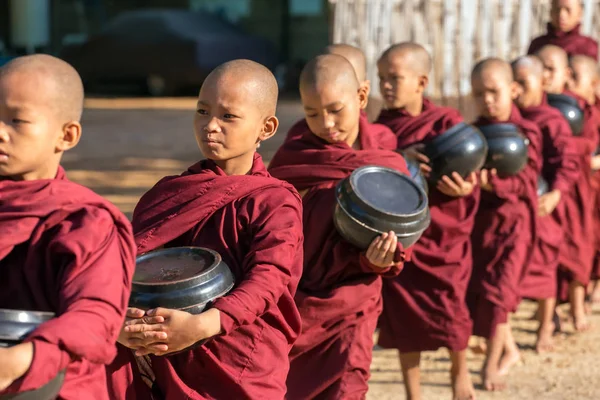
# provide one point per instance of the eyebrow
(330, 105)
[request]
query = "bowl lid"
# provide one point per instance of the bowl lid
(15, 325)
(179, 266)
(387, 191)
(500, 130)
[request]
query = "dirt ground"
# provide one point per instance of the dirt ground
(128, 145)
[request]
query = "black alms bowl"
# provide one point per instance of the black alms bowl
(416, 174)
(542, 186)
(569, 108)
(461, 149)
(374, 200)
(15, 326)
(180, 278)
(507, 148)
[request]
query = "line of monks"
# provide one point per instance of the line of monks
(300, 320)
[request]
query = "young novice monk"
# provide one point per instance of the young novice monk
(577, 249)
(339, 296)
(505, 223)
(63, 249)
(584, 79)
(560, 169)
(563, 31)
(424, 307)
(230, 204)
(358, 61)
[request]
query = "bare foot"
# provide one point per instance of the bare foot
(587, 306)
(508, 360)
(462, 387)
(595, 296)
(491, 379)
(545, 338)
(581, 323)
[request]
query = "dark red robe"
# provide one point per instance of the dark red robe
(424, 308)
(503, 236)
(578, 249)
(339, 296)
(596, 186)
(560, 169)
(66, 250)
(573, 42)
(254, 222)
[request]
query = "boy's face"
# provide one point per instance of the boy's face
(565, 15)
(30, 127)
(399, 84)
(332, 111)
(530, 87)
(228, 123)
(556, 73)
(584, 82)
(493, 94)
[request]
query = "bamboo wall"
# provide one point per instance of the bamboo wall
(456, 32)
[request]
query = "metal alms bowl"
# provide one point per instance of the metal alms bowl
(461, 149)
(180, 278)
(507, 148)
(374, 200)
(569, 108)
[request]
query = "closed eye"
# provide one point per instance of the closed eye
(336, 111)
(229, 116)
(19, 121)
(202, 111)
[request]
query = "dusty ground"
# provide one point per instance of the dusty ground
(129, 144)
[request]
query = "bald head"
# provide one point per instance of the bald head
(415, 55)
(584, 77)
(532, 64)
(553, 53)
(354, 55)
(493, 65)
(328, 69)
(59, 81)
(584, 64)
(255, 78)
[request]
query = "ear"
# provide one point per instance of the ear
(423, 83)
(367, 85)
(363, 97)
(570, 81)
(515, 90)
(71, 134)
(269, 128)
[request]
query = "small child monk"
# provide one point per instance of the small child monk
(564, 31)
(63, 248)
(359, 62)
(504, 230)
(584, 79)
(577, 249)
(560, 169)
(441, 261)
(339, 296)
(228, 203)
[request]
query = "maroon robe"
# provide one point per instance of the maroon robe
(339, 296)
(503, 236)
(596, 186)
(424, 308)
(573, 42)
(577, 251)
(560, 169)
(66, 250)
(254, 222)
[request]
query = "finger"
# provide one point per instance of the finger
(451, 185)
(372, 248)
(472, 178)
(134, 313)
(149, 337)
(385, 248)
(422, 157)
(164, 312)
(494, 172)
(425, 168)
(458, 179)
(145, 320)
(383, 237)
(137, 328)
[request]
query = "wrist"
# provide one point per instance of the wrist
(208, 323)
(21, 357)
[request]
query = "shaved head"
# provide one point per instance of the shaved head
(58, 79)
(416, 56)
(584, 77)
(354, 55)
(328, 69)
(257, 79)
(556, 68)
(585, 63)
(533, 64)
(557, 54)
(495, 65)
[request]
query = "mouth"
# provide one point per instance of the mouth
(332, 135)
(3, 155)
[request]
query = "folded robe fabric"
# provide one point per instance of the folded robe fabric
(424, 307)
(254, 222)
(339, 296)
(561, 168)
(503, 236)
(573, 42)
(66, 250)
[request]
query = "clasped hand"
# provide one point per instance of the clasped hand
(162, 331)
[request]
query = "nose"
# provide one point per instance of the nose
(3, 132)
(213, 125)
(488, 98)
(385, 84)
(328, 121)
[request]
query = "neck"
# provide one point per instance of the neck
(415, 109)
(46, 172)
(353, 141)
(537, 101)
(240, 165)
